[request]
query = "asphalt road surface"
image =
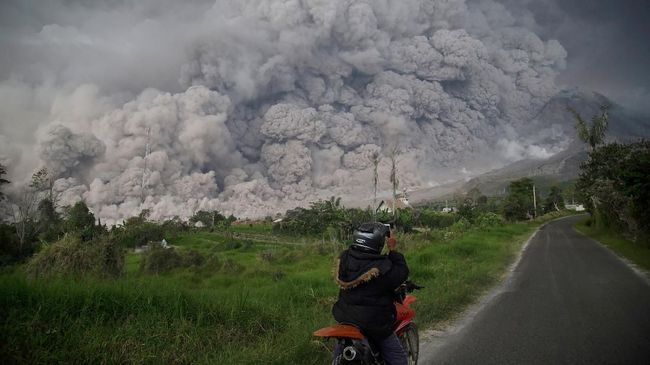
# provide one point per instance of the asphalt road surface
(568, 301)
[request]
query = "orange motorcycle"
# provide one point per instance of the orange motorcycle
(355, 348)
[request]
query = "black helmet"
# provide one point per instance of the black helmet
(370, 237)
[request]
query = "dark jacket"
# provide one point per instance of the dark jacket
(367, 290)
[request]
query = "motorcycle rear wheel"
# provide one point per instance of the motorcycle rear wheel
(411, 343)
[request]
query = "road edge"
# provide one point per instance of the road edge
(432, 340)
(640, 272)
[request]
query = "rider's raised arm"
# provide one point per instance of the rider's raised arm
(399, 271)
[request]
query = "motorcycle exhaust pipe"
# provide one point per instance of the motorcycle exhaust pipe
(349, 353)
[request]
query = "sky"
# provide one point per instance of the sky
(607, 41)
(251, 106)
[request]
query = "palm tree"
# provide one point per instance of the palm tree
(594, 135)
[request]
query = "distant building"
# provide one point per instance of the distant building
(387, 205)
(575, 207)
(448, 209)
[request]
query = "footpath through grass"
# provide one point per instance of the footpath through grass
(637, 253)
(260, 308)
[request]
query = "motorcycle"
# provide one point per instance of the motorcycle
(355, 348)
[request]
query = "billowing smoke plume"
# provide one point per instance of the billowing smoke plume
(281, 102)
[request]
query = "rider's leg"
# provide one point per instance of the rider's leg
(338, 349)
(392, 351)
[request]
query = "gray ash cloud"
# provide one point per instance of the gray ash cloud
(252, 107)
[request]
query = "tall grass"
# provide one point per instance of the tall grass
(263, 314)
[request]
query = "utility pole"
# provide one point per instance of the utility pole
(534, 203)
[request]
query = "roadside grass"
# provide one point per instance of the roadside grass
(262, 313)
(636, 253)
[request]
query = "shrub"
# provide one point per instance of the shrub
(137, 232)
(489, 220)
(278, 275)
(268, 256)
(436, 220)
(461, 225)
(404, 220)
(193, 258)
(159, 260)
(212, 263)
(232, 267)
(231, 245)
(70, 256)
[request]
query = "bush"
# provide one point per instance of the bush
(436, 220)
(158, 260)
(268, 256)
(404, 220)
(232, 245)
(462, 225)
(232, 267)
(278, 275)
(137, 232)
(70, 256)
(193, 258)
(489, 220)
(212, 263)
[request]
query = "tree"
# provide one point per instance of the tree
(471, 204)
(49, 221)
(569, 193)
(23, 211)
(594, 135)
(207, 218)
(81, 220)
(518, 205)
(43, 181)
(554, 200)
(615, 186)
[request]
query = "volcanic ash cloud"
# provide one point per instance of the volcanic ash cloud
(286, 102)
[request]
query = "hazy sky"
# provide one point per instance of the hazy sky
(608, 42)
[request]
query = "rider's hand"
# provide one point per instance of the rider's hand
(391, 242)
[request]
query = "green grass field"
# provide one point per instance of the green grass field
(635, 252)
(261, 309)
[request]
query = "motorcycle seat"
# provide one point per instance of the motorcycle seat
(340, 330)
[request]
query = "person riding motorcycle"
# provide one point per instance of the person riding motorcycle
(367, 281)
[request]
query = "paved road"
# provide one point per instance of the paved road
(569, 301)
